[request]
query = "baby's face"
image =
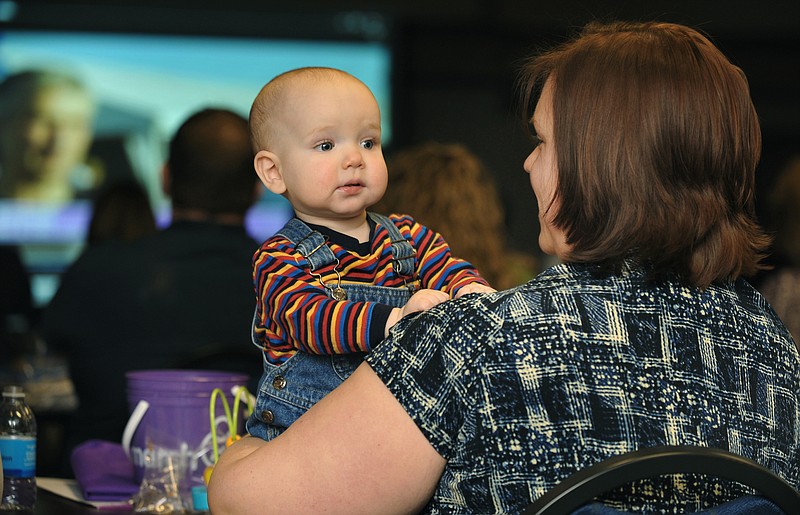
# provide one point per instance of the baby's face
(330, 152)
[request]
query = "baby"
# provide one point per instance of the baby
(336, 278)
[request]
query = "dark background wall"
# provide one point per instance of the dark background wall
(456, 62)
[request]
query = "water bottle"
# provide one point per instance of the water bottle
(18, 451)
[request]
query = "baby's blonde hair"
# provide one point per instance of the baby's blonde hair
(267, 104)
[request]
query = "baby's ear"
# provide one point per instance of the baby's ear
(268, 169)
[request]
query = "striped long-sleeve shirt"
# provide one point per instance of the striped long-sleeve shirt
(294, 312)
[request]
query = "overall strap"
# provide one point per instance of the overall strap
(310, 244)
(403, 252)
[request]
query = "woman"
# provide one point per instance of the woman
(647, 143)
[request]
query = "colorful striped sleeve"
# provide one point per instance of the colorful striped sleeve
(437, 268)
(295, 313)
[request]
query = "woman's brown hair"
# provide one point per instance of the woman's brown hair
(657, 142)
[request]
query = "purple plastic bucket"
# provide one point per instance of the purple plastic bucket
(177, 421)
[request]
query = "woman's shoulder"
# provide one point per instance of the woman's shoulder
(569, 277)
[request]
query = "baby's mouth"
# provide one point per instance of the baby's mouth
(351, 187)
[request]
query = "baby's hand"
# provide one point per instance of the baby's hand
(424, 299)
(475, 288)
(420, 301)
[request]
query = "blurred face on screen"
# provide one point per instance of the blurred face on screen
(45, 143)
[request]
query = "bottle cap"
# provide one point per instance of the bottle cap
(200, 498)
(13, 391)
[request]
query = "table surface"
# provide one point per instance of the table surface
(48, 503)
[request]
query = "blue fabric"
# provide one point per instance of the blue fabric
(522, 388)
(288, 390)
(745, 505)
(597, 508)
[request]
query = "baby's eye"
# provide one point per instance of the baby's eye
(325, 146)
(368, 143)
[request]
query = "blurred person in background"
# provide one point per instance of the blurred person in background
(16, 302)
(449, 189)
(781, 286)
(122, 211)
(165, 299)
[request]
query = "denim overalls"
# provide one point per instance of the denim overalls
(287, 391)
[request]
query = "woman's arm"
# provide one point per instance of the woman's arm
(356, 451)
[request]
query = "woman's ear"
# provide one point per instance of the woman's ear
(268, 169)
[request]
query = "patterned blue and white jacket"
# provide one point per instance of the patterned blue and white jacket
(521, 388)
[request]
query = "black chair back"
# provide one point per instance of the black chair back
(583, 486)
